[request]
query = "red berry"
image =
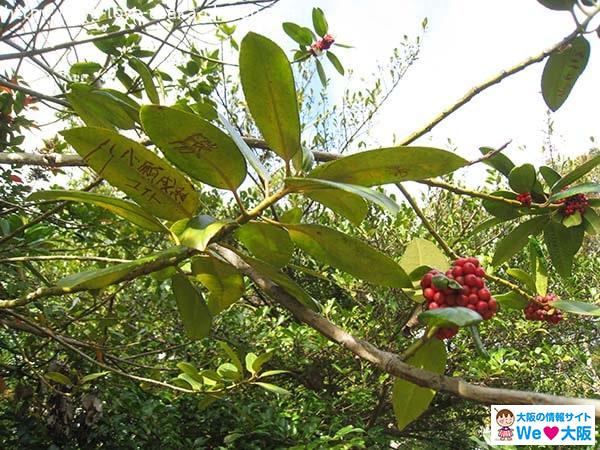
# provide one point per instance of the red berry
(457, 271)
(439, 298)
(473, 299)
(482, 307)
(433, 305)
(460, 262)
(471, 280)
(460, 280)
(462, 300)
(479, 283)
(428, 293)
(469, 268)
(473, 261)
(484, 295)
(480, 272)
(493, 305)
(426, 280)
(451, 300)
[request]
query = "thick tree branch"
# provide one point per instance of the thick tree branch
(390, 362)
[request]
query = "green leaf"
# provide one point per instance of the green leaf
(500, 209)
(267, 242)
(558, 5)
(421, 252)
(147, 78)
(270, 373)
(562, 70)
(321, 72)
(250, 358)
(448, 317)
(292, 215)
(592, 221)
(200, 230)
(85, 68)
(409, 400)
(539, 267)
(576, 173)
(283, 281)
(345, 204)
(549, 175)
(234, 358)
(514, 241)
(562, 243)
(582, 308)
(349, 255)
(268, 84)
(573, 220)
(315, 184)
(522, 178)
(499, 161)
(98, 108)
(585, 188)
(319, 22)
(97, 279)
(223, 281)
(194, 313)
(511, 300)
(190, 370)
(245, 149)
(194, 384)
(389, 165)
(335, 62)
(490, 223)
(93, 376)
(261, 360)
(195, 146)
(229, 371)
(272, 388)
(474, 330)
(301, 35)
(523, 277)
(128, 210)
(149, 180)
(59, 378)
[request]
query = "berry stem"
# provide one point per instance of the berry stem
(426, 222)
(511, 286)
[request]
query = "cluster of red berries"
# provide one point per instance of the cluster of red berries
(574, 204)
(322, 44)
(540, 309)
(525, 198)
(473, 293)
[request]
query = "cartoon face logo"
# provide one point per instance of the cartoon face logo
(505, 418)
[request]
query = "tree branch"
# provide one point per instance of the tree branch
(390, 362)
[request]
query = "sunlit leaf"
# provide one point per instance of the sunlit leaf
(581, 308)
(147, 77)
(421, 252)
(576, 173)
(224, 283)
(319, 22)
(267, 242)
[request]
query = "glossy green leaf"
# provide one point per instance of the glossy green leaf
(409, 400)
(267, 242)
(59, 378)
(189, 369)
(268, 84)
(573, 220)
(349, 255)
(272, 388)
(85, 68)
(562, 70)
(147, 78)
(195, 146)
(351, 206)
(200, 230)
(511, 300)
(261, 360)
(223, 281)
(389, 165)
(149, 180)
(522, 178)
(245, 149)
(321, 72)
(320, 24)
(194, 313)
(549, 175)
(229, 371)
(585, 188)
(558, 5)
(576, 173)
(99, 108)
(250, 358)
(500, 209)
(233, 356)
(127, 210)
(93, 376)
(448, 317)
(301, 35)
(335, 62)
(581, 308)
(97, 279)
(592, 221)
(500, 162)
(514, 241)
(562, 244)
(270, 373)
(314, 184)
(523, 277)
(421, 252)
(283, 281)
(292, 215)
